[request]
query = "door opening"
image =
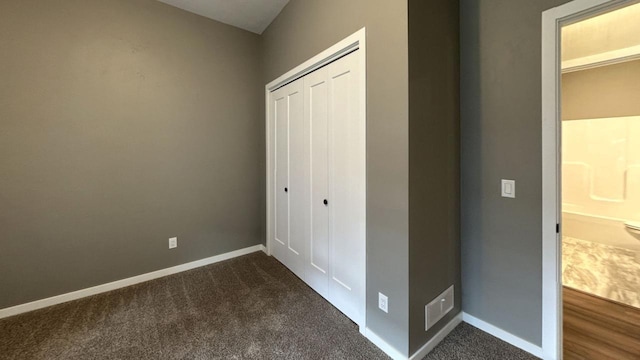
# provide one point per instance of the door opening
(600, 185)
(589, 178)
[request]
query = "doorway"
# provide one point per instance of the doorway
(600, 187)
(591, 180)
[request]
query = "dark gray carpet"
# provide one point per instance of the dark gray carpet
(466, 342)
(250, 307)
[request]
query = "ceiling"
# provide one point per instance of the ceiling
(612, 31)
(251, 15)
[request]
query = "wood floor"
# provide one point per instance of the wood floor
(596, 328)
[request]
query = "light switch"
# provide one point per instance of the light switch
(508, 188)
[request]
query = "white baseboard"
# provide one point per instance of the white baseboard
(503, 335)
(437, 338)
(393, 353)
(39, 304)
(384, 346)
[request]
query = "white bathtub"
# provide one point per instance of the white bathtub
(599, 229)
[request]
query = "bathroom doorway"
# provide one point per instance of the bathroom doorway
(600, 185)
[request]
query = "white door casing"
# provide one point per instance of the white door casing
(552, 22)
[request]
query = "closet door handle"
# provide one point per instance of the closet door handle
(286, 189)
(325, 202)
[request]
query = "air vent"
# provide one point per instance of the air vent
(438, 308)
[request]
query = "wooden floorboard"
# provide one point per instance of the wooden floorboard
(597, 328)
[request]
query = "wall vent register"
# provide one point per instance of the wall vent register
(439, 307)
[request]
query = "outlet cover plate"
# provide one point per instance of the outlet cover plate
(383, 302)
(173, 243)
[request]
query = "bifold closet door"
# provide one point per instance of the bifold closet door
(335, 261)
(290, 184)
(316, 108)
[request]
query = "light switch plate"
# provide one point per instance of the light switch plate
(508, 188)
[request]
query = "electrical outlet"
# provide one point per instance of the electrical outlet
(383, 302)
(173, 243)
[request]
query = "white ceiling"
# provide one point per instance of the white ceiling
(612, 31)
(252, 15)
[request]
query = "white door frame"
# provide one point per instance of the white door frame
(356, 41)
(552, 22)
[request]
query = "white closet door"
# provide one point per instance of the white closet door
(335, 261)
(316, 94)
(347, 187)
(286, 105)
(317, 197)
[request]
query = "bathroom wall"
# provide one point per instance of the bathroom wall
(613, 31)
(601, 179)
(601, 167)
(601, 153)
(602, 92)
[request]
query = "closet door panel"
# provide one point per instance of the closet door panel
(287, 112)
(280, 108)
(346, 167)
(320, 182)
(297, 189)
(315, 92)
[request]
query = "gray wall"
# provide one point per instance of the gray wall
(122, 123)
(608, 91)
(307, 27)
(434, 160)
(501, 138)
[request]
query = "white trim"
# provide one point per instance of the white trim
(347, 45)
(503, 335)
(603, 59)
(269, 164)
(356, 41)
(387, 348)
(39, 304)
(437, 338)
(395, 354)
(552, 21)
(362, 43)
